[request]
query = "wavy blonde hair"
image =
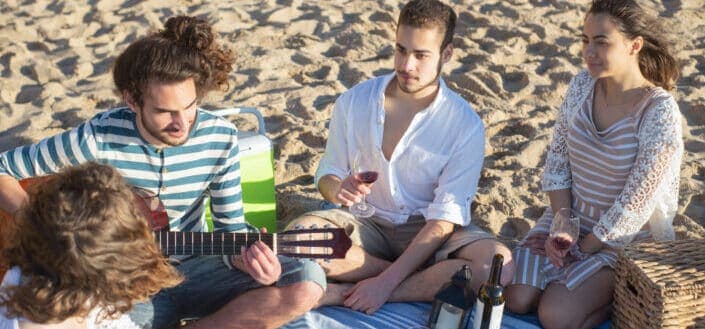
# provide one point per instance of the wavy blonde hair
(80, 244)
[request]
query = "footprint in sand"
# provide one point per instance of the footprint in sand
(349, 39)
(513, 82)
(694, 114)
(695, 208)
(540, 30)
(5, 62)
(350, 76)
(506, 33)
(545, 49)
(515, 227)
(320, 74)
(276, 122)
(672, 6)
(67, 66)
(335, 51)
(486, 83)
(323, 101)
(498, 9)
(519, 128)
(69, 118)
(562, 77)
(382, 17)
(694, 146)
(302, 158)
(296, 107)
(29, 72)
(37, 46)
(28, 93)
(312, 140)
(534, 212)
(103, 66)
(252, 78)
(11, 138)
(301, 59)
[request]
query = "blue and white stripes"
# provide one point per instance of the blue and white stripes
(182, 176)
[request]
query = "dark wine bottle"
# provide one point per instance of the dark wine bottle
(490, 299)
(453, 303)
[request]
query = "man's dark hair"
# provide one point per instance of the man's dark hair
(185, 48)
(428, 14)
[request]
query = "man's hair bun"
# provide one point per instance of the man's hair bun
(188, 32)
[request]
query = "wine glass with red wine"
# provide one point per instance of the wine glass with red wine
(153, 208)
(565, 229)
(365, 171)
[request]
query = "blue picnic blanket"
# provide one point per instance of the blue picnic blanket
(394, 316)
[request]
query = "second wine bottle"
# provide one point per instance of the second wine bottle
(490, 299)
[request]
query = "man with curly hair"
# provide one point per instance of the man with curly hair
(162, 142)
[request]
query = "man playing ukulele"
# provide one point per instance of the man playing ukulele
(162, 142)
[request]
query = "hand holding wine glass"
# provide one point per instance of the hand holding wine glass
(564, 233)
(366, 172)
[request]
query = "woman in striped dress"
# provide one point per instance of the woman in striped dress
(614, 159)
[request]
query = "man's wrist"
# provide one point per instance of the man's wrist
(391, 277)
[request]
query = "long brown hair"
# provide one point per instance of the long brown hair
(656, 62)
(80, 243)
(185, 48)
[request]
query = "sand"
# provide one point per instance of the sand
(513, 60)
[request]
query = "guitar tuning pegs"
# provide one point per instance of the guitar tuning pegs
(314, 226)
(327, 226)
(298, 227)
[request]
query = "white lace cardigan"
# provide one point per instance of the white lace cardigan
(650, 193)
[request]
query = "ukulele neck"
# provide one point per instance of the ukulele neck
(208, 243)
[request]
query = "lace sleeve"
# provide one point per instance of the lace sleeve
(556, 173)
(660, 150)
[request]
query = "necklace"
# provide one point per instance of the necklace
(630, 97)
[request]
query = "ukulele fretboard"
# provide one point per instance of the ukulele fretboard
(208, 243)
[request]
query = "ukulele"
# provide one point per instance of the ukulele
(323, 243)
(301, 243)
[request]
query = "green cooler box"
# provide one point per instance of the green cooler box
(256, 173)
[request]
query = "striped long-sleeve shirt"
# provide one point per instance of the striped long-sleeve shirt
(181, 176)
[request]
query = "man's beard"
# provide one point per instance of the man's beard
(432, 82)
(158, 134)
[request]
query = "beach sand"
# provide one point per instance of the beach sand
(513, 60)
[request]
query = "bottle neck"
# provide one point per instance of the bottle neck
(496, 273)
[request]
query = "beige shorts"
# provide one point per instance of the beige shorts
(385, 240)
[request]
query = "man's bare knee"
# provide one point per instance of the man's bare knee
(481, 253)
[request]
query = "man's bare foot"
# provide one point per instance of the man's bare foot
(334, 294)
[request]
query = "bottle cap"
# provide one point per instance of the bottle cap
(463, 275)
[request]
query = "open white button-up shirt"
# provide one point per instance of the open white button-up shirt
(435, 167)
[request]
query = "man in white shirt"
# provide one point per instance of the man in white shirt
(429, 145)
